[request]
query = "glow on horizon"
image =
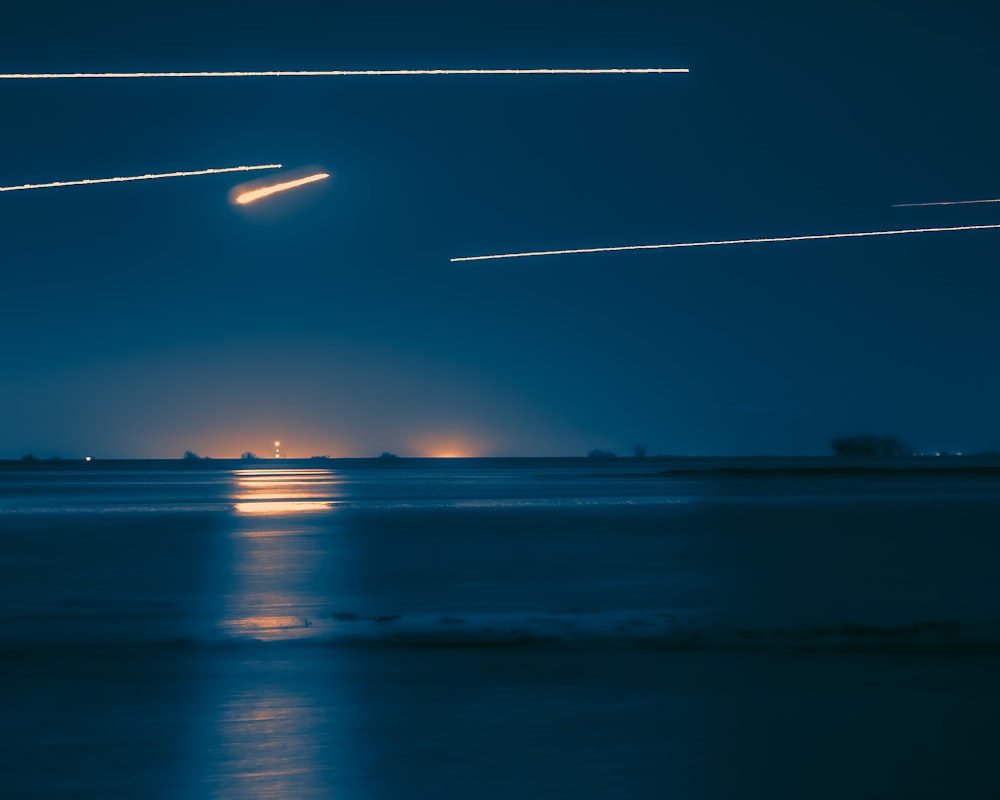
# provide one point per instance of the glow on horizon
(945, 203)
(450, 449)
(252, 195)
(146, 177)
(814, 237)
(342, 73)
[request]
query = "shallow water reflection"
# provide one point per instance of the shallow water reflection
(271, 740)
(279, 553)
(286, 491)
(274, 737)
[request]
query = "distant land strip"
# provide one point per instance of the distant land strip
(147, 177)
(651, 467)
(379, 73)
(967, 466)
(536, 253)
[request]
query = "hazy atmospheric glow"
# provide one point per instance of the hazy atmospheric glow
(724, 242)
(147, 177)
(945, 203)
(339, 73)
(252, 195)
(447, 444)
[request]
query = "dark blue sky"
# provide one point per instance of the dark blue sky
(148, 318)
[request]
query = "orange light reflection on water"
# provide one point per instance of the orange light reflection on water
(274, 594)
(291, 491)
(280, 506)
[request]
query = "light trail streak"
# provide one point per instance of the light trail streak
(147, 177)
(945, 203)
(723, 242)
(251, 195)
(339, 73)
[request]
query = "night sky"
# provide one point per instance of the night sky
(146, 319)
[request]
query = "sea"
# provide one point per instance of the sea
(500, 628)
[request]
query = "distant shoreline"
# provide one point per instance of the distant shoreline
(649, 467)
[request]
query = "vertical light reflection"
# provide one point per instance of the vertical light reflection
(271, 738)
(278, 556)
(279, 730)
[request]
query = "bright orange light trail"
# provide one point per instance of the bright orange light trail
(724, 242)
(945, 203)
(251, 195)
(148, 177)
(339, 73)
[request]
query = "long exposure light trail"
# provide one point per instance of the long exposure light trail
(147, 177)
(339, 73)
(723, 242)
(945, 203)
(251, 195)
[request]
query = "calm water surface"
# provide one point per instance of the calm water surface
(491, 629)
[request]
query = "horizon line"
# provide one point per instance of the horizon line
(342, 73)
(586, 457)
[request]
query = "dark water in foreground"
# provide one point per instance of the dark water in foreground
(498, 629)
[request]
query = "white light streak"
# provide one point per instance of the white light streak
(945, 203)
(339, 73)
(723, 242)
(251, 195)
(148, 177)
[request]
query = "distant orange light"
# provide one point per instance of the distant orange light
(252, 195)
(454, 450)
(448, 444)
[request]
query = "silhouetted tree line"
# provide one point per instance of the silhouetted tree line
(602, 455)
(865, 444)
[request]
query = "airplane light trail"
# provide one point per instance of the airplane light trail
(945, 203)
(251, 195)
(339, 73)
(148, 177)
(729, 241)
